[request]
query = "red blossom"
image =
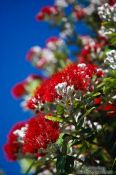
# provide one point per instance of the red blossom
(34, 52)
(40, 133)
(12, 147)
(11, 150)
(91, 49)
(30, 104)
(79, 13)
(52, 39)
(18, 90)
(110, 109)
(74, 74)
(46, 11)
(97, 101)
(112, 2)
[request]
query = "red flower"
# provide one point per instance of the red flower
(77, 75)
(18, 90)
(112, 2)
(39, 134)
(97, 101)
(91, 49)
(53, 39)
(110, 109)
(79, 13)
(34, 52)
(11, 150)
(46, 11)
(31, 104)
(12, 147)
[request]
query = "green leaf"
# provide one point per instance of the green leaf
(60, 139)
(60, 109)
(64, 165)
(89, 111)
(60, 165)
(96, 94)
(53, 118)
(69, 164)
(32, 86)
(66, 139)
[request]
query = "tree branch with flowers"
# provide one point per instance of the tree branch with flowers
(72, 130)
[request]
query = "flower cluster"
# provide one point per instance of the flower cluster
(92, 49)
(14, 144)
(50, 56)
(111, 59)
(29, 137)
(79, 12)
(74, 77)
(47, 12)
(107, 12)
(27, 86)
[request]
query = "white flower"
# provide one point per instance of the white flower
(89, 9)
(107, 12)
(111, 59)
(36, 49)
(61, 88)
(114, 97)
(61, 3)
(67, 31)
(86, 40)
(48, 55)
(55, 45)
(81, 65)
(70, 90)
(104, 31)
(97, 125)
(64, 90)
(21, 133)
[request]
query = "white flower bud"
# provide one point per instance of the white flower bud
(81, 65)
(111, 59)
(61, 88)
(21, 133)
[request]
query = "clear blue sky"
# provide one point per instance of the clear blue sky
(18, 32)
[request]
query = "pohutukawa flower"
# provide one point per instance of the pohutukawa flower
(40, 133)
(18, 90)
(109, 109)
(41, 57)
(14, 144)
(92, 50)
(73, 77)
(46, 12)
(112, 2)
(79, 13)
(35, 52)
(27, 86)
(54, 43)
(28, 137)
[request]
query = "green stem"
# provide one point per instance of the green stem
(30, 167)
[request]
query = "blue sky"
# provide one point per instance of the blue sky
(18, 32)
